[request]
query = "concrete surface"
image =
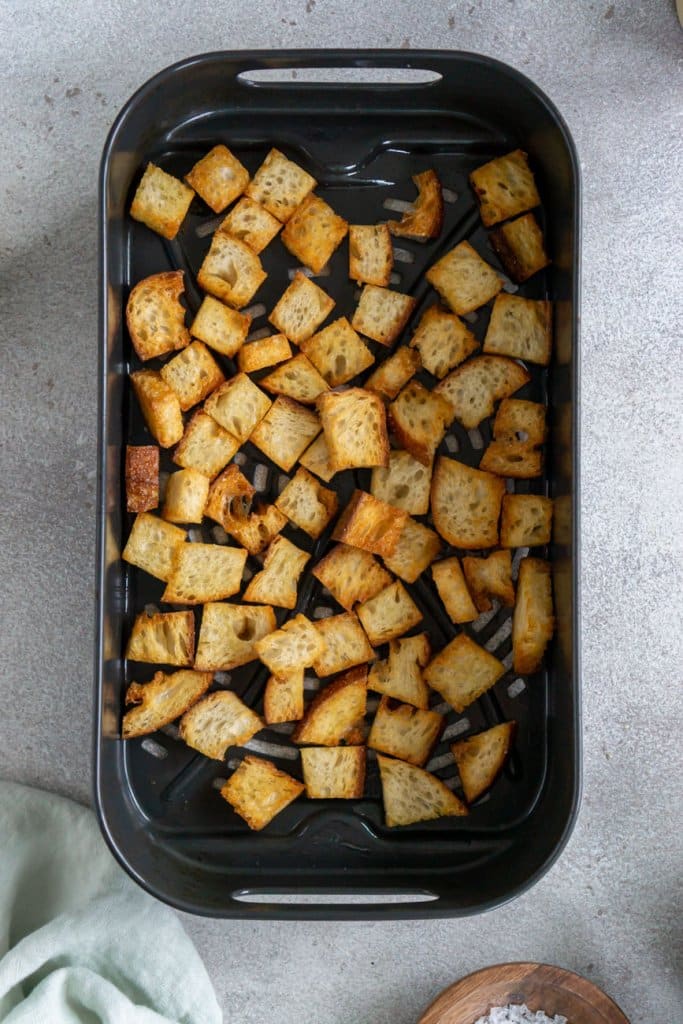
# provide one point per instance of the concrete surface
(611, 907)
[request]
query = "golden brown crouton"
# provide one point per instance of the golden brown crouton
(336, 714)
(283, 698)
(256, 355)
(452, 588)
(490, 577)
(231, 271)
(251, 223)
(516, 459)
(400, 676)
(351, 575)
(160, 407)
(219, 178)
(532, 621)
(394, 373)
(280, 185)
(301, 309)
(192, 374)
(277, 582)
(411, 794)
(371, 254)
(285, 432)
(344, 644)
(370, 524)
(355, 427)
(480, 758)
(297, 378)
(526, 521)
(404, 483)
(205, 445)
(161, 201)
(417, 548)
(519, 245)
(238, 405)
(307, 504)
(218, 721)
(381, 313)
(504, 187)
(229, 504)
(419, 419)
(463, 279)
(316, 458)
(388, 614)
(425, 218)
(162, 700)
(405, 731)
(151, 544)
(221, 327)
(229, 633)
(466, 504)
(296, 645)
(186, 495)
(338, 352)
(155, 317)
(142, 477)
(333, 773)
(462, 671)
(313, 232)
(201, 573)
(474, 388)
(258, 791)
(519, 420)
(443, 341)
(166, 638)
(520, 328)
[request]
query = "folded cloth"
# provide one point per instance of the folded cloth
(79, 942)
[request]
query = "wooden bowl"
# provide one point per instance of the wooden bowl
(540, 986)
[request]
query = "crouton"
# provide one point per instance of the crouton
(298, 379)
(338, 352)
(230, 505)
(301, 309)
(504, 187)
(480, 758)
(219, 178)
(277, 582)
(220, 327)
(371, 254)
(351, 575)
(316, 458)
(355, 427)
(381, 313)
(166, 638)
(344, 644)
(186, 495)
(218, 721)
(424, 220)
(462, 671)
(201, 573)
(532, 621)
(142, 477)
(285, 432)
(463, 279)
(257, 531)
(295, 645)
(252, 224)
(411, 794)
(519, 420)
(466, 504)
(336, 714)
(520, 328)
(161, 202)
(419, 419)
(400, 675)
(263, 352)
(307, 504)
(388, 614)
(231, 271)
(450, 583)
(162, 700)
(519, 245)
(525, 521)
(205, 445)
(283, 698)
(193, 374)
(280, 185)
(238, 405)
(516, 459)
(151, 544)
(229, 633)
(417, 548)
(160, 407)
(404, 483)
(443, 341)
(405, 731)
(258, 791)
(490, 577)
(333, 773)
(394, 373)
(314, 232)
(155, 317)
(474, 388)
(370, 524)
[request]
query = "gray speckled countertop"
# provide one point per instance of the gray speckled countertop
(610, 908)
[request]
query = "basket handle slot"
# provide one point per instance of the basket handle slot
(333, 77)
(330, 897)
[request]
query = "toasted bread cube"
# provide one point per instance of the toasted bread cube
(294, 646)
(533, 622)
(160, 407)
(258, 791)
(142, 477)
(258, 530)
(450, 583)
(480, 758)
(280, 185)
(462, 671)
(400, 676)
(519, 420)
(162, 700)
(388, 614)
(504, 187)
(314, 232)
(394, 373)
(238, 406)
(463, 279)
(443, 341)
(166, 638)
(251, 223)
(316, 458)
(355, 426)
(519, 245)
(474, 388)
(230, 505)
(404, 483)
(466, 504)
(307, 504)
(301, 309)
(283, 698)
(351, 575)
(516, 459)
(424, 220)
(155, 317)
(419, 419)
(201, 573)
(526, 521)
(520, 328)
(371, 254)
(161, 201)
(335, 716)
(381, 314)
(417, 548)
(222, 328)
(219, 178)
(218, 721)
(490, 577)
(405, 731)
(187, 492)
(231, 271)
(333, 773)
(263, 352)
(205, 445)
(229, 633)
(411, 794)
(151, 545)
(285, 432)
(193, 374)
(370, 524)
(277, 582)
(298, 379)
(338, 353)
(344, 645)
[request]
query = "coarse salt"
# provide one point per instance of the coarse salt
(519, 1014)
